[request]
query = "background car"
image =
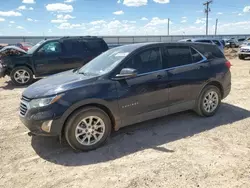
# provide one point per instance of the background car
(217, 42)
(232, 43)
(241, 40)
(244, 51)
(11, 51)
(52, 56)
(25, 45)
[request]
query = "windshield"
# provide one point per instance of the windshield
(107, 61)
(34, 48)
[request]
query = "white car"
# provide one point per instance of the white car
(244, 51)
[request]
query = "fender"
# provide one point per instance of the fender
(112, 107)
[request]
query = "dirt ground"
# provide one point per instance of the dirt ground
(181, 150)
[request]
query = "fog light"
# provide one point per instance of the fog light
(46, 126)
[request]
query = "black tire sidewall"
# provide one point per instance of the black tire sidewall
(205, 91)
(24, 68)
(76, 117)
(241, 57)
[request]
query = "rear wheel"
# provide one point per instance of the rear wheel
(87, 129)
(21, 76)
(209, 101)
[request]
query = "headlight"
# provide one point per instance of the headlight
(44, 101)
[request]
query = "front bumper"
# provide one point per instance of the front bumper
(243, 53)
(42, 121)
(2, 71)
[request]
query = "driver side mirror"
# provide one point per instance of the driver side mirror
(40, 53)
(126, 73)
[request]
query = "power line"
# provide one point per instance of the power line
(207, 10)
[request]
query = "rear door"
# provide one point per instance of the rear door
(76, 54)
(185, 69)
(96, 46)
(47, 60)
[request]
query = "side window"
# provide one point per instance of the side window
(146, 61)
(51, 48)
(196, 56)
(75, 47)
(94, 45)
(174, 56)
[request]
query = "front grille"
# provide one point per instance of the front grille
(24, 106)
(245, 50)
(25, 99)
(23, 109)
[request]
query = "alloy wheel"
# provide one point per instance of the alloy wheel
(90, 130)
(210, 101)
(21, 76)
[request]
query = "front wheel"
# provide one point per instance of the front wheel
(241, 57)
(87, 129)
(209, 101)
(21, 76)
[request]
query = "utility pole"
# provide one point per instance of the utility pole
(207, 10)
(168, 25)
(215, 32)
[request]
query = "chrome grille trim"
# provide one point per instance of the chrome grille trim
(24, 106)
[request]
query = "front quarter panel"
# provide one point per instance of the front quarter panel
(102, 93)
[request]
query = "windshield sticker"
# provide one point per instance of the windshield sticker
(122, 54)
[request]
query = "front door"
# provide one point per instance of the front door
(47, 60)
(141, 97)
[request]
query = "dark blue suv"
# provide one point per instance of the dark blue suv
(123, 86)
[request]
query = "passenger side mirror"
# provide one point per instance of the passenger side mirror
(126, 73)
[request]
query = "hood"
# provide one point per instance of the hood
(245, 47)
(58, 83)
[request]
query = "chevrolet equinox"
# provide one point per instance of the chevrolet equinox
(123, 86)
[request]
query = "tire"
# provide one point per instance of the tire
(25, 80)
(201, 107)
(241, 57)
(76, 125)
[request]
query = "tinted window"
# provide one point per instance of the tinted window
(75, 47)
(146, 61)
(216, 42)
(204, 41)
(51, 48)
(196, 56)
(210, 52)
(240, 40)
(96, 45)
(174, 56)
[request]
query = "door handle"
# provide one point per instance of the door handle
(159, 77)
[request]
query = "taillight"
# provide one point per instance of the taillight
(228, 64)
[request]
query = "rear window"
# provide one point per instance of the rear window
(241, 40)
(216, 42)
(204, 41)
(210, 51)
